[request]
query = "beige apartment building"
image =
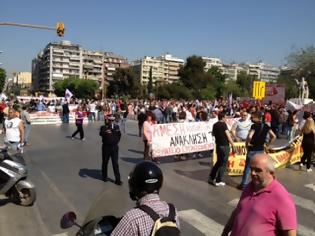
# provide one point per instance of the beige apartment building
(164, 69)
(211, 62)
(111, 63)
(260, 70)
(62, 60)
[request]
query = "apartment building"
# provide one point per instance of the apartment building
(111, 63)
(233, 70)
(171, 66)
(62, 60)
(91, 65)
(264, 71)
(56, 62)
(163, 69)
(211, 62)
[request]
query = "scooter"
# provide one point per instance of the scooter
(13, 179)
(99, 226)
(100, 219)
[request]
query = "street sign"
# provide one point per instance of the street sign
(259, 89)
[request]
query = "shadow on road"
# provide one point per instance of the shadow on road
(4, 201)
(205, 163)
(135, 135)
(135, 151)
(203, 175)
(93, 173)
(132, 159)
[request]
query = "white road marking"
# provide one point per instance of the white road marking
(311, 186)
(304, 203)
(304, 231)
(234, 202)
(62, 234)
(201, 222)
(52, 186)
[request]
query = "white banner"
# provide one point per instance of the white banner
(178, 138)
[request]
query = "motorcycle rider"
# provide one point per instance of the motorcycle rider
(145, 182)
(111, 135)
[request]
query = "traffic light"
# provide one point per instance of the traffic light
(60, 29)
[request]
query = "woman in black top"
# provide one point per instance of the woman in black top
(308, 132)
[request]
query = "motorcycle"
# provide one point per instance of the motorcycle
(13, 179)
(96, 222)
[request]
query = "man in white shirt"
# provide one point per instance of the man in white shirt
(241, 127)
(92, 109)
(14, 130)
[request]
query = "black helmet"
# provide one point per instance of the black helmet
(146, 177)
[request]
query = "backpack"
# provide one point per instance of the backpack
(163, 226)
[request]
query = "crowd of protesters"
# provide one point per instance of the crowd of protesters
(283, 123)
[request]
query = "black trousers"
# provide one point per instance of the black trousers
(79, 130)
(307, 156)
(110, 152)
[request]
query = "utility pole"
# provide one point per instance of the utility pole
(60, 28)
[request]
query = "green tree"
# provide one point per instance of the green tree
(216, 79)
(150, 83)
(232, 87)
(2, 78)
(193, 76)
(245, 82)
(208, 93)
(302, 62)
(86, 88)
(174, 90)
(125, 83)
(289, 83)
(81, 88)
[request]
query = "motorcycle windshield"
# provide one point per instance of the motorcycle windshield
(114, 200)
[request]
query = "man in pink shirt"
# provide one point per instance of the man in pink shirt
(265, 207)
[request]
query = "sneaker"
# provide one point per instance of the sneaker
(220, 184)
(211, 181)
(301, 166)
(72, 138)
(309, 170)
(83, 139)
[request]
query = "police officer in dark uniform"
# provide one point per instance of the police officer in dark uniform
(111, 135)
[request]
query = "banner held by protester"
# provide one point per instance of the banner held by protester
(281, 156)
(179, 138)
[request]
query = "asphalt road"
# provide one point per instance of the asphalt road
(67, 177)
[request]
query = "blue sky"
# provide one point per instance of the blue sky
(239, 30)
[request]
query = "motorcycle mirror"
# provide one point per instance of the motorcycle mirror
(68, 220)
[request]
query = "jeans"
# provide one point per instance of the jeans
(123, 125)
(27, 133)
(219, 167)
(249, 157)
(65, 118)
